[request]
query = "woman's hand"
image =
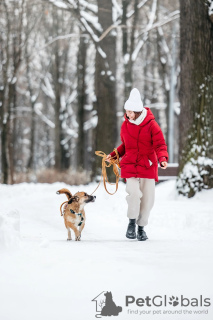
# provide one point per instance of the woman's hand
(108, 158)
(164, 164)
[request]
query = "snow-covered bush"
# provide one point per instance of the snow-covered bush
(9, 229)
(210, 4)
(195, 176)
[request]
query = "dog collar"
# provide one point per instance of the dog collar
(72, 211)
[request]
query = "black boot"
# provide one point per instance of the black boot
(141, 235)
(130, 234)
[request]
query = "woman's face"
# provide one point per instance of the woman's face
(130, 114)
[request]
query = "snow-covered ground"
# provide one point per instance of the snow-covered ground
(43, 276)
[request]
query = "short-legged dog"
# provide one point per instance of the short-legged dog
(73, 211)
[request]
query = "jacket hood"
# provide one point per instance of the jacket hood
(149, 117)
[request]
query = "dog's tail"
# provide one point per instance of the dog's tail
(61, 207)
(66, 191)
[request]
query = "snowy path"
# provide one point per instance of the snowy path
(43, 276)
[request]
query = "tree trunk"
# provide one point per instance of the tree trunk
(127, 52)
(30, 164)
(196, 98)
(11, 130)
(105, 88)
(60, 152)
(81, 72)
(4, 156)
(57, 107)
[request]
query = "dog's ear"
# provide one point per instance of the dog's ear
(66, 191)
(74, 198)
(70, 201)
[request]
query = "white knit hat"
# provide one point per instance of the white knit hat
(134, 102)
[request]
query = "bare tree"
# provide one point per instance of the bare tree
(196, 97)
(82, 99)
(11, 58)
(105, 87)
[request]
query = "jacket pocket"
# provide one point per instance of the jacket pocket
(152, 157)
(144, 161)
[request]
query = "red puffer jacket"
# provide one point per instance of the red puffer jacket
(141, 143)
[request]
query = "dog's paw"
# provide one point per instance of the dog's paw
(78, 238)
(69, 239)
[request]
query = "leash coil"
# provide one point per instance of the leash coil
(112, 162)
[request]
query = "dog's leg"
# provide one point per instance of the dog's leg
(81, 227)
(77, 233)
(69, 234)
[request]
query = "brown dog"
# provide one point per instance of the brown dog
(73, 212)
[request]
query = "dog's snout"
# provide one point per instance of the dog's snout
(93, 198)
(90, 199)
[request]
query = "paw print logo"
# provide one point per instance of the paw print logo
(173, 301)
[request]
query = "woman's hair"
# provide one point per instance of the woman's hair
(137, 114)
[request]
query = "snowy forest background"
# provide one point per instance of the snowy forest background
(67, 67)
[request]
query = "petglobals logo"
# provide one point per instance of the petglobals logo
(105, 305)
(165, 301)
(150, 305)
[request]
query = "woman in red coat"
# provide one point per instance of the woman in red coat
(143, 145)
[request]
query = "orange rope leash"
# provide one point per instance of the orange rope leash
(115, 163)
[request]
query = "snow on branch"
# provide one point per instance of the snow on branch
(89, 30)
(171, 17)
(71, 133)
(91, 7)
(38, 107)
(59, 4)
(165, 46)
(116, 11)
(73, 3)
(142, 41)
(72, 97)
(163, 22)
(139, 6)
(87, 19)
(92, 122)
(47, 88)
(172, 14)
(101, 52)
(116, 5)
(92, 19)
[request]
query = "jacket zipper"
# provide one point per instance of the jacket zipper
(138, 152)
